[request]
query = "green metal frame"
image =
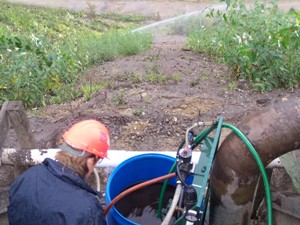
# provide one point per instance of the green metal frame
(202, 171)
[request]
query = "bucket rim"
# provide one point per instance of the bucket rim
(114, 210)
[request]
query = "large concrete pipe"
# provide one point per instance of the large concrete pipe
(235, 172)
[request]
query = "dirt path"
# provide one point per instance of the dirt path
(162, 8)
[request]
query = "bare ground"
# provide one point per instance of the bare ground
(145, 115)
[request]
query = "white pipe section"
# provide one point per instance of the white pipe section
(175, 200)
(31, 156)
(115, 157)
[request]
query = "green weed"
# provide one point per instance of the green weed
(232, 85)
(119, 97)
(89, 90)
(134, 77)
(138, 112)
(156, 78)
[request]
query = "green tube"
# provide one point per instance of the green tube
(200, 137)
(261, 168)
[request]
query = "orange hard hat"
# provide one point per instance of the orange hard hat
(89, 136)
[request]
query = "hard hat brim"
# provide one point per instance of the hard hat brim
(72, 151)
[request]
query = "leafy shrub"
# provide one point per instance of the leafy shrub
(261, 44)
(44, 51)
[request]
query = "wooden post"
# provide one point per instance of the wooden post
(12, 115)
(4, 124)
(19, 121)
(4, 127)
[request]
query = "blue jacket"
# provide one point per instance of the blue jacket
(48, 194)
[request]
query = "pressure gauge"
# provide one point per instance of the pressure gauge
(191, 216)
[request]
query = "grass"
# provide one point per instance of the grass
(43, 52)
(260, 44)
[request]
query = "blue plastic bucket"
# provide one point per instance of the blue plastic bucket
(130, 172)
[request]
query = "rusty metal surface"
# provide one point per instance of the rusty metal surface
(235, 172)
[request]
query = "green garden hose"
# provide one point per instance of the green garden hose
(261, 167)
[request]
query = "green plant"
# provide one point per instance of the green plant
(138, 112)
(134, 77)
(89, 90)
(119, 97)
(175, 77)
(260, 44)
(154, 76)
(111, 84)
(69, 93)
(232, 85)
(44, 51)
(131, 43)
(151, 58)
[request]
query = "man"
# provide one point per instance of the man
(55, 192)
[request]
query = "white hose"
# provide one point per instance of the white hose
(173, 205)
(97, 179)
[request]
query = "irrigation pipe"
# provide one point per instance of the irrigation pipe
(173, 205)
(136, 187)
(260, 166)
(162, 193)
(97, 180)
